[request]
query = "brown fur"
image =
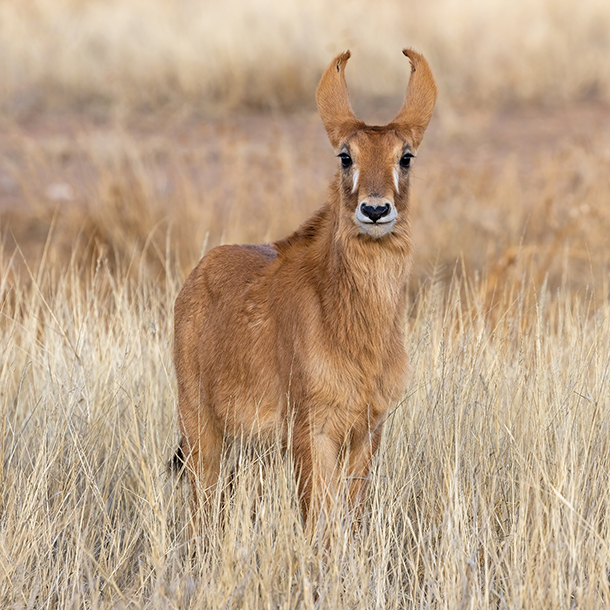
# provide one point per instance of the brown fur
(307, 334)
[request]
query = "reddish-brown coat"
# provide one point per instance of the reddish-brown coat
(306, 335)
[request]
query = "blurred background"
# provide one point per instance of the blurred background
(149, 54)
(143, 132)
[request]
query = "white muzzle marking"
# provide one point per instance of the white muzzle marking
(375, 229)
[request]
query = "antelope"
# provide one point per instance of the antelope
(305, 336)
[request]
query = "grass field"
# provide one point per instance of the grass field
(123, 159)
(126, 55)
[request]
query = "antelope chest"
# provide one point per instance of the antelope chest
(353, 389)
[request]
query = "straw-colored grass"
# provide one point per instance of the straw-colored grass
(496, 192)
(130, 54)
(490, 488)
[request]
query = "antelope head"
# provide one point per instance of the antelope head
(375, 161)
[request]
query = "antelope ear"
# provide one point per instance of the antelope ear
(332, 98)
(420, 99)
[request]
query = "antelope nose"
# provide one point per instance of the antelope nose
(375, 212)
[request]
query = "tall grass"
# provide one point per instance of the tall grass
(135, 54)
(504, 200)
(489, 489)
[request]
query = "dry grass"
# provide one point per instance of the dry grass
(490, 489)
(135, 54)
(509, 195)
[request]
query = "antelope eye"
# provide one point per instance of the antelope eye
(405, 160)
(346, 160)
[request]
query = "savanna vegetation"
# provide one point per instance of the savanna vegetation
(136, 135)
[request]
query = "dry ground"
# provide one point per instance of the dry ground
(491, 486)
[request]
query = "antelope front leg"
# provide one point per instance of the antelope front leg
(362, 450)
(316, 455)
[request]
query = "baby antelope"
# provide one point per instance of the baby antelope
(304, 337)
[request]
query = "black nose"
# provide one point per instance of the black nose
(375, 213)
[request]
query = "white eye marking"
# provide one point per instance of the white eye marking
(356, 174)
(395, 178)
